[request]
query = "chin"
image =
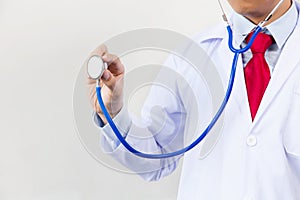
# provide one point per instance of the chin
(245, 7)
(250, 12)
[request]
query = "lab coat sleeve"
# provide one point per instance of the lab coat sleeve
(160, 130)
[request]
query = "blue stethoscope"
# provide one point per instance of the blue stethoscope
(95, 72)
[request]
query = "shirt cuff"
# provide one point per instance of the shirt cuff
(123, 122)
(98, 121)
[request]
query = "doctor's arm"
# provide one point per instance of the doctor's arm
(163, 122)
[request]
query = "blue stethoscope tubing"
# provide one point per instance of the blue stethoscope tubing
(236, 52)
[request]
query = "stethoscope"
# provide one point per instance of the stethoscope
(96, 67)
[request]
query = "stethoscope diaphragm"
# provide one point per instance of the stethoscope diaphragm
(95, 67)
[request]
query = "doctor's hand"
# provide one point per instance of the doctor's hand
(111, 82)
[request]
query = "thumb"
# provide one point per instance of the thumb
(108, 79)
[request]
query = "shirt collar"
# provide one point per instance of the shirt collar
(279, 29)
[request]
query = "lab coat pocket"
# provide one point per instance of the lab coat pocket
(292, 154)
(292, 143)
(291, 133)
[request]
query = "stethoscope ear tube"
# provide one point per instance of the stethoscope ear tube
(262, 23)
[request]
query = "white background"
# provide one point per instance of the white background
(43, 44)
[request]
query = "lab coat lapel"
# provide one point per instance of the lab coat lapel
(286, 64)
(223, 58)
(239, 92)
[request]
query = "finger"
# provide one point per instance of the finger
(106, 75)
(100, 50)
(115, 65)
(115, 84)
(108, 79)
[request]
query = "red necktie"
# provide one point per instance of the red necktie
(257, 72)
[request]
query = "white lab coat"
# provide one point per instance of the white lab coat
(257, 160)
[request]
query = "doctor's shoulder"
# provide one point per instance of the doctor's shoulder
(210, 37)
(205, 42)
(215, 32)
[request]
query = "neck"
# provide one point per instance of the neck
(283, 8)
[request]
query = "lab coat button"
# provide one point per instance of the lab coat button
(251, 141)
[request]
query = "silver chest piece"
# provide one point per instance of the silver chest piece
(96, 67)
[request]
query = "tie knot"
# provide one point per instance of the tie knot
(261, 43)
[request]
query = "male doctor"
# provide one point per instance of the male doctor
(258, 155)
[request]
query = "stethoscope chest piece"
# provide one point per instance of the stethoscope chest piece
(95, 67)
